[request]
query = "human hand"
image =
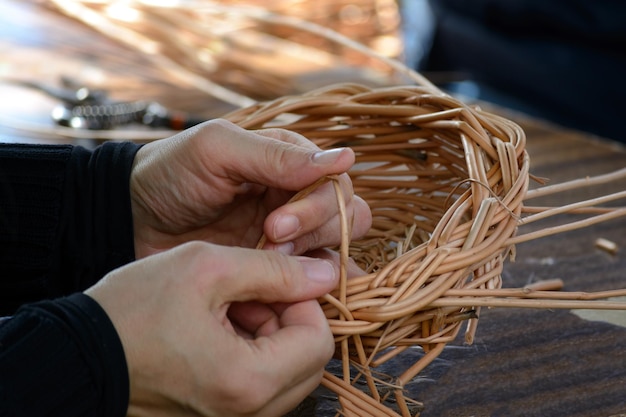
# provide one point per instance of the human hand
(208, 334)
(223, 184)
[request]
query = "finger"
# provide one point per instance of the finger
(288, 137)
(318, 231)
(301, 349)
(256, 402)
(305, 333)
(276, 158)
(289, 399)
(309, 213)
(253, 319)
(293, 356)
(328, 235)
(267, 276)
(352, 269)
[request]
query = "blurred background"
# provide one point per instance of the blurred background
(562, 61)
(559, 60)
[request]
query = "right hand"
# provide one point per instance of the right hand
(211, 330)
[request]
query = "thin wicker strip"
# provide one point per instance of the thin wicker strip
(446, 184)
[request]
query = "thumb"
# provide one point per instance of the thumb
(281, 158)
(270, 277)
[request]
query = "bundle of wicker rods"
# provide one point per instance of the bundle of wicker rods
(446, 183)
(374, 23)
(222, 46)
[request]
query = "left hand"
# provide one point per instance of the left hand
(223, 184)
(207, 334)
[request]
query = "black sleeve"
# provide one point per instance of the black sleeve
(62, 358)
(65, 218)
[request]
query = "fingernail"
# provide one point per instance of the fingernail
(285, 226)
(327, 157)
(318, 270)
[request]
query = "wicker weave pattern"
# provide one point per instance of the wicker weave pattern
(445, 183)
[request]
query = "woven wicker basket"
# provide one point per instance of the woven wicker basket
(445, 183)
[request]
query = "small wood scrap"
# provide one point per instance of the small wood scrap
(606, 245)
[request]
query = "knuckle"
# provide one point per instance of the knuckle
(248, 397)
(192, 253)
(201, 135)
(288, 136)
(219, 124)
(362, 218)
(308, 243)
(281, 157)
(281, 270)
(330, 347)
(326, 345)
(200, 257)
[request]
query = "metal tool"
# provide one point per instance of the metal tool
(84, 108)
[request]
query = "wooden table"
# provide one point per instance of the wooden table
(523, 362)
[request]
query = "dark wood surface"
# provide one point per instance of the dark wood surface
(523, 362)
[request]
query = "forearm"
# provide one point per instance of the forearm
(65, 218)
(63, 358)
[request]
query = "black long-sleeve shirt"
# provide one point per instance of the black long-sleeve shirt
(65, 221)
